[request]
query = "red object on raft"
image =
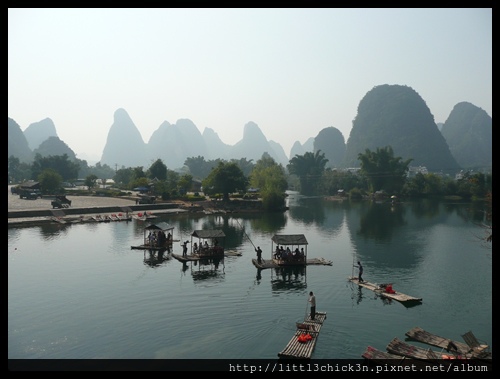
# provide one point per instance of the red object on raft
(389, 289)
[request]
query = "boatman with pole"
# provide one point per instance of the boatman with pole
(259, 254)
(312, 300)
(360, 272)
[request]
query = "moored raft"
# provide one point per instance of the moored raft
(156, 238)
(382, 291)
(378, 357)
(303, 350)
(398, 347)
(421, 335)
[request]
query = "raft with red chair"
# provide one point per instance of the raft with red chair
(386, 290)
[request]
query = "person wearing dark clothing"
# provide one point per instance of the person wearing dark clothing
(312, 300)
(259, 254)
(360, 272)
(185, 248)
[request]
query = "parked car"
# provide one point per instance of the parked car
(147, 200)
(29, 194)
(60, 202)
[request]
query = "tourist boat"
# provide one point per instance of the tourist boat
(207, 243)
(154, 241)
(289, 249)
(204, 244)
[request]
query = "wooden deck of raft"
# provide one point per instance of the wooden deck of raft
(402, 352)
(398, 296)
(304, 350)
(270, 263)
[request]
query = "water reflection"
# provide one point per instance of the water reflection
(54, 230)
(154, 258)
(288, 278)
(310, 210)
(423, 254)
(207, 269)
(379, 221)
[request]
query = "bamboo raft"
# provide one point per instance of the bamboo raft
(372, 354)
(378, 289)
(398, 347)
(304, 350)
(421, 335)
(271, 263)
(195, 257)
(401, 353)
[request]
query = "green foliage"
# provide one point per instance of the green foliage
(309, 169)
(199, 168)
(158, 170)
(185, 182)
(193, 197)
(18, 171)
(267, 175)
(245, 165)
(59, 163)
(101, 171)
(139, 173)
(226, 178)
(334, 180)
(109, 192)
(270, 178)
(50, 181)
(124, 177)
(91, 181)
(383, 170)
(140, 182)
(272, 200)
(355, 194)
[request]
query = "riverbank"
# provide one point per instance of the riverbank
(40, 211)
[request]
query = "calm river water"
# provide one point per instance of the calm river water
(80, 292)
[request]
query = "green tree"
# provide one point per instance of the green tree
(414, 187)
(226, 178)
(124, 177)
(245, 165)
(383, 170)
(309, 169)
(334, 180)
(50, 181)
(433, 185)
(270, 178)
(91, 181)
(18, 171)
(185, 182)
(59, 163)
(197, 166)
(158, 170)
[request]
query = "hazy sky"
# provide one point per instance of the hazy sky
(293, 72)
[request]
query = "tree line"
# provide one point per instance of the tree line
(380, 171)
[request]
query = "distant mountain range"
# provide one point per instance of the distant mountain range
(388, 115)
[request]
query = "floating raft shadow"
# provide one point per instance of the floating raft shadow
(303, 350)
